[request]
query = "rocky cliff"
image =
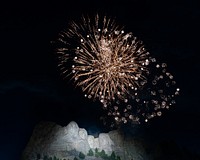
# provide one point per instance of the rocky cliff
(68, 142)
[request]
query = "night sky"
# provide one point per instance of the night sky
(32, 90)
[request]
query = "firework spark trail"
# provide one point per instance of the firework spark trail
(147, 102)
(109, 65)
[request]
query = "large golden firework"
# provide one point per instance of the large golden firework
(114, 67)
(107, 62)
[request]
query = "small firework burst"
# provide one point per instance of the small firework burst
(114, 67)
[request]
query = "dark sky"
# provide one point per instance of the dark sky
(32, 90)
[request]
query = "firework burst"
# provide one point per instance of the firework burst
(113, 67)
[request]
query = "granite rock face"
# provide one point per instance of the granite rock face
(67, 142)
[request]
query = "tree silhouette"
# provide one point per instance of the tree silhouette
(81, 155)
(90, 153)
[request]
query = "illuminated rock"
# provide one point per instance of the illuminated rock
(91, 141)
(67, 142)
(72, 129)
(96, 143)
(83, 133)
(105, 143)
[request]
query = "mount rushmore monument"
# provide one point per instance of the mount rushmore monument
(52, 140)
